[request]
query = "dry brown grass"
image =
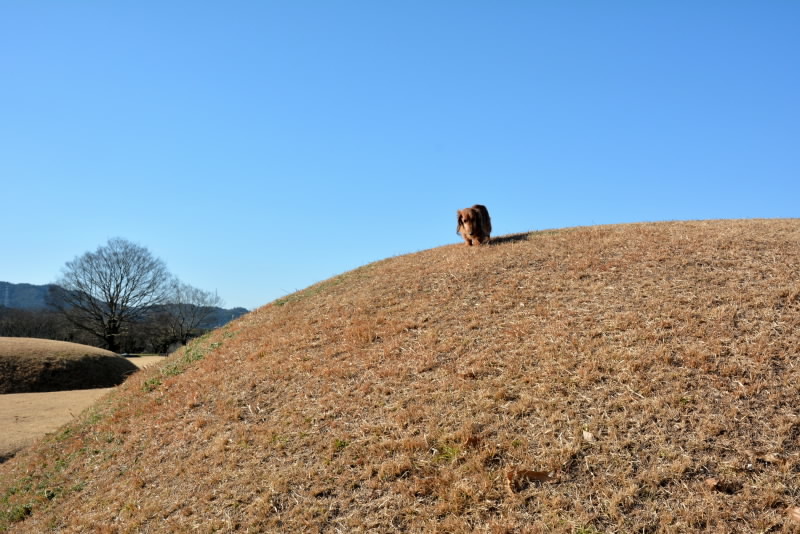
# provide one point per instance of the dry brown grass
(634, 378)
(39, 365)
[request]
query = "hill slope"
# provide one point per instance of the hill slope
(634, 378)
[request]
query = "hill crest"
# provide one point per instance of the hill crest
(624, 378)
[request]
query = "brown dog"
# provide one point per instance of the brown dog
(474, 225)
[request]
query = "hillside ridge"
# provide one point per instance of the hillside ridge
(627, 378)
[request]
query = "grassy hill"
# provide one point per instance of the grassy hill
(37, 365)
(632, 378)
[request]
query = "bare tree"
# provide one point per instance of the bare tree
(103, 292)
(187, 308)
(44, 324)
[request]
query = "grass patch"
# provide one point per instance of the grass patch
(177, 364)
(151, 384)
(16, 513)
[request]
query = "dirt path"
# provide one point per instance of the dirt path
(25, 417)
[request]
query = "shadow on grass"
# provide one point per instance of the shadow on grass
(512, 238)
(525, 236)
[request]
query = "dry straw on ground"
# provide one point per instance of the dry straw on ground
(635, 378)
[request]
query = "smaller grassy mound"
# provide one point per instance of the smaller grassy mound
(37, 365)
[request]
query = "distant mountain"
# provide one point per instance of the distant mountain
(23, 296)
(221, 316)
(33, 297)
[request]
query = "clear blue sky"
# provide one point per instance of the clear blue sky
(258, 147)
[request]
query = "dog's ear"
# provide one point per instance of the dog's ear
(460, 222)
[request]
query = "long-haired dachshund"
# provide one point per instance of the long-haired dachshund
(474, 225)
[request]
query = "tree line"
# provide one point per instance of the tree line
(119, 297)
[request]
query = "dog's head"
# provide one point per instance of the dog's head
(469, 222)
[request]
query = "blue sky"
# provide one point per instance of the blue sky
(258, 147)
